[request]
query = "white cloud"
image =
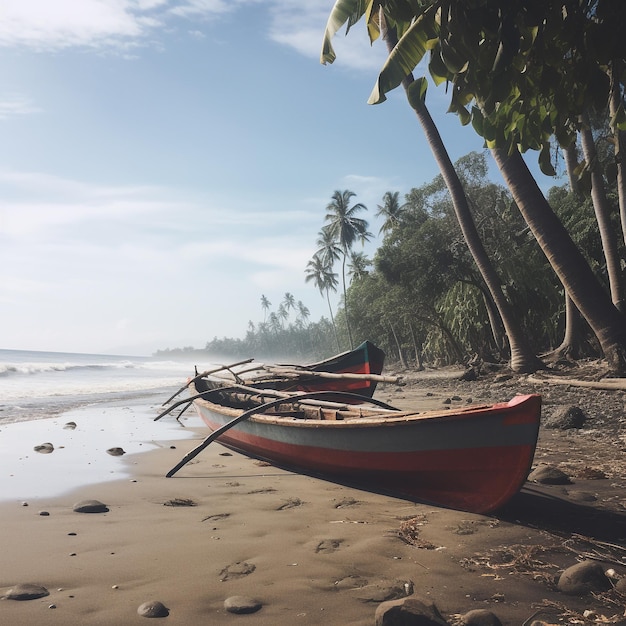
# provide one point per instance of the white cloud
(43, 25)
(12, 105)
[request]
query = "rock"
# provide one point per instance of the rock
(44, 448)
(385, 590)
(70, 426)
(90, 506)
(115, 451)
(620, 585)
(584, 578)
(242, 604)
(26, 591)
(469, 375)
(44, 513)
(549, 475)
(480, 617)
(153, 609)
(565, 417)
(408, 612)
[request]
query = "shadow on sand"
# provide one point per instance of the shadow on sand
(537, 508)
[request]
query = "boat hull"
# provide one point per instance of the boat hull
(473, 460)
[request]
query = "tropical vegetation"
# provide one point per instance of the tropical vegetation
(468, 269)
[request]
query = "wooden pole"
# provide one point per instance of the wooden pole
(204, 374)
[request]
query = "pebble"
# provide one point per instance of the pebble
(480, 617)
(116, 451)
(90, 506)
(44, 448)
(241, 605)
(44, 513)
(408, 611)
(26, 591)
(153, 608)
(70, 426)
(583, 578)
(549, 475)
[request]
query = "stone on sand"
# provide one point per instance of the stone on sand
(408, 612)
(384, 590)
(44, 448)
(90, 506)
(70, 426)
(154, 608)
(116, 451)
(565, 418)
(549, 475)
(480, 617)
(242, 605)
(26, 591)
(584, 578)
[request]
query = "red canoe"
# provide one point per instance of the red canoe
(473, 459)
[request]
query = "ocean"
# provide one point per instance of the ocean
(112, 400)
(36, 385)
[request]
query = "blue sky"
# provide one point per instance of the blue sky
(165, 163)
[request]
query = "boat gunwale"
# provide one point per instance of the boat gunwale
(376, 420)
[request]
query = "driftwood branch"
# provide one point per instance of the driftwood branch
(298, 373)
(220, 368)
(609, 384)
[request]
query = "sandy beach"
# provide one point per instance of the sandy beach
(306, 550)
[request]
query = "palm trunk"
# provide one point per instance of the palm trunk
(569, 264)
(332, 319)
(523, 359)
(398, 347)
(602, 210)
(620, 149)
(345, 300)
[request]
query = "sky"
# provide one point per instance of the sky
(166, 163)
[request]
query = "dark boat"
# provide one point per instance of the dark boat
(356, 371)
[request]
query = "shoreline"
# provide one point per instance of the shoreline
(310, 551)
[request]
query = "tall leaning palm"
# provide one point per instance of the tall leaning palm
(523, 359)
(323, 277)
(345, 228)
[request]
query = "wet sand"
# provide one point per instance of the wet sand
(310, 551)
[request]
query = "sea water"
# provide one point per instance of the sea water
(111, 401)
(35, 385)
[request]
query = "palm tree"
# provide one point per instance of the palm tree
(265, 304)
(357, 268)
(346, 229)
(303, 312)
(326, 281)
(289, 302)
(327, 248)
(282, 313)
(390, 210)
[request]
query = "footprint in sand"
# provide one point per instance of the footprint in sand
(216, 517)
(346, 502)
(328, 545)
(236, 570)
(291, 503)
